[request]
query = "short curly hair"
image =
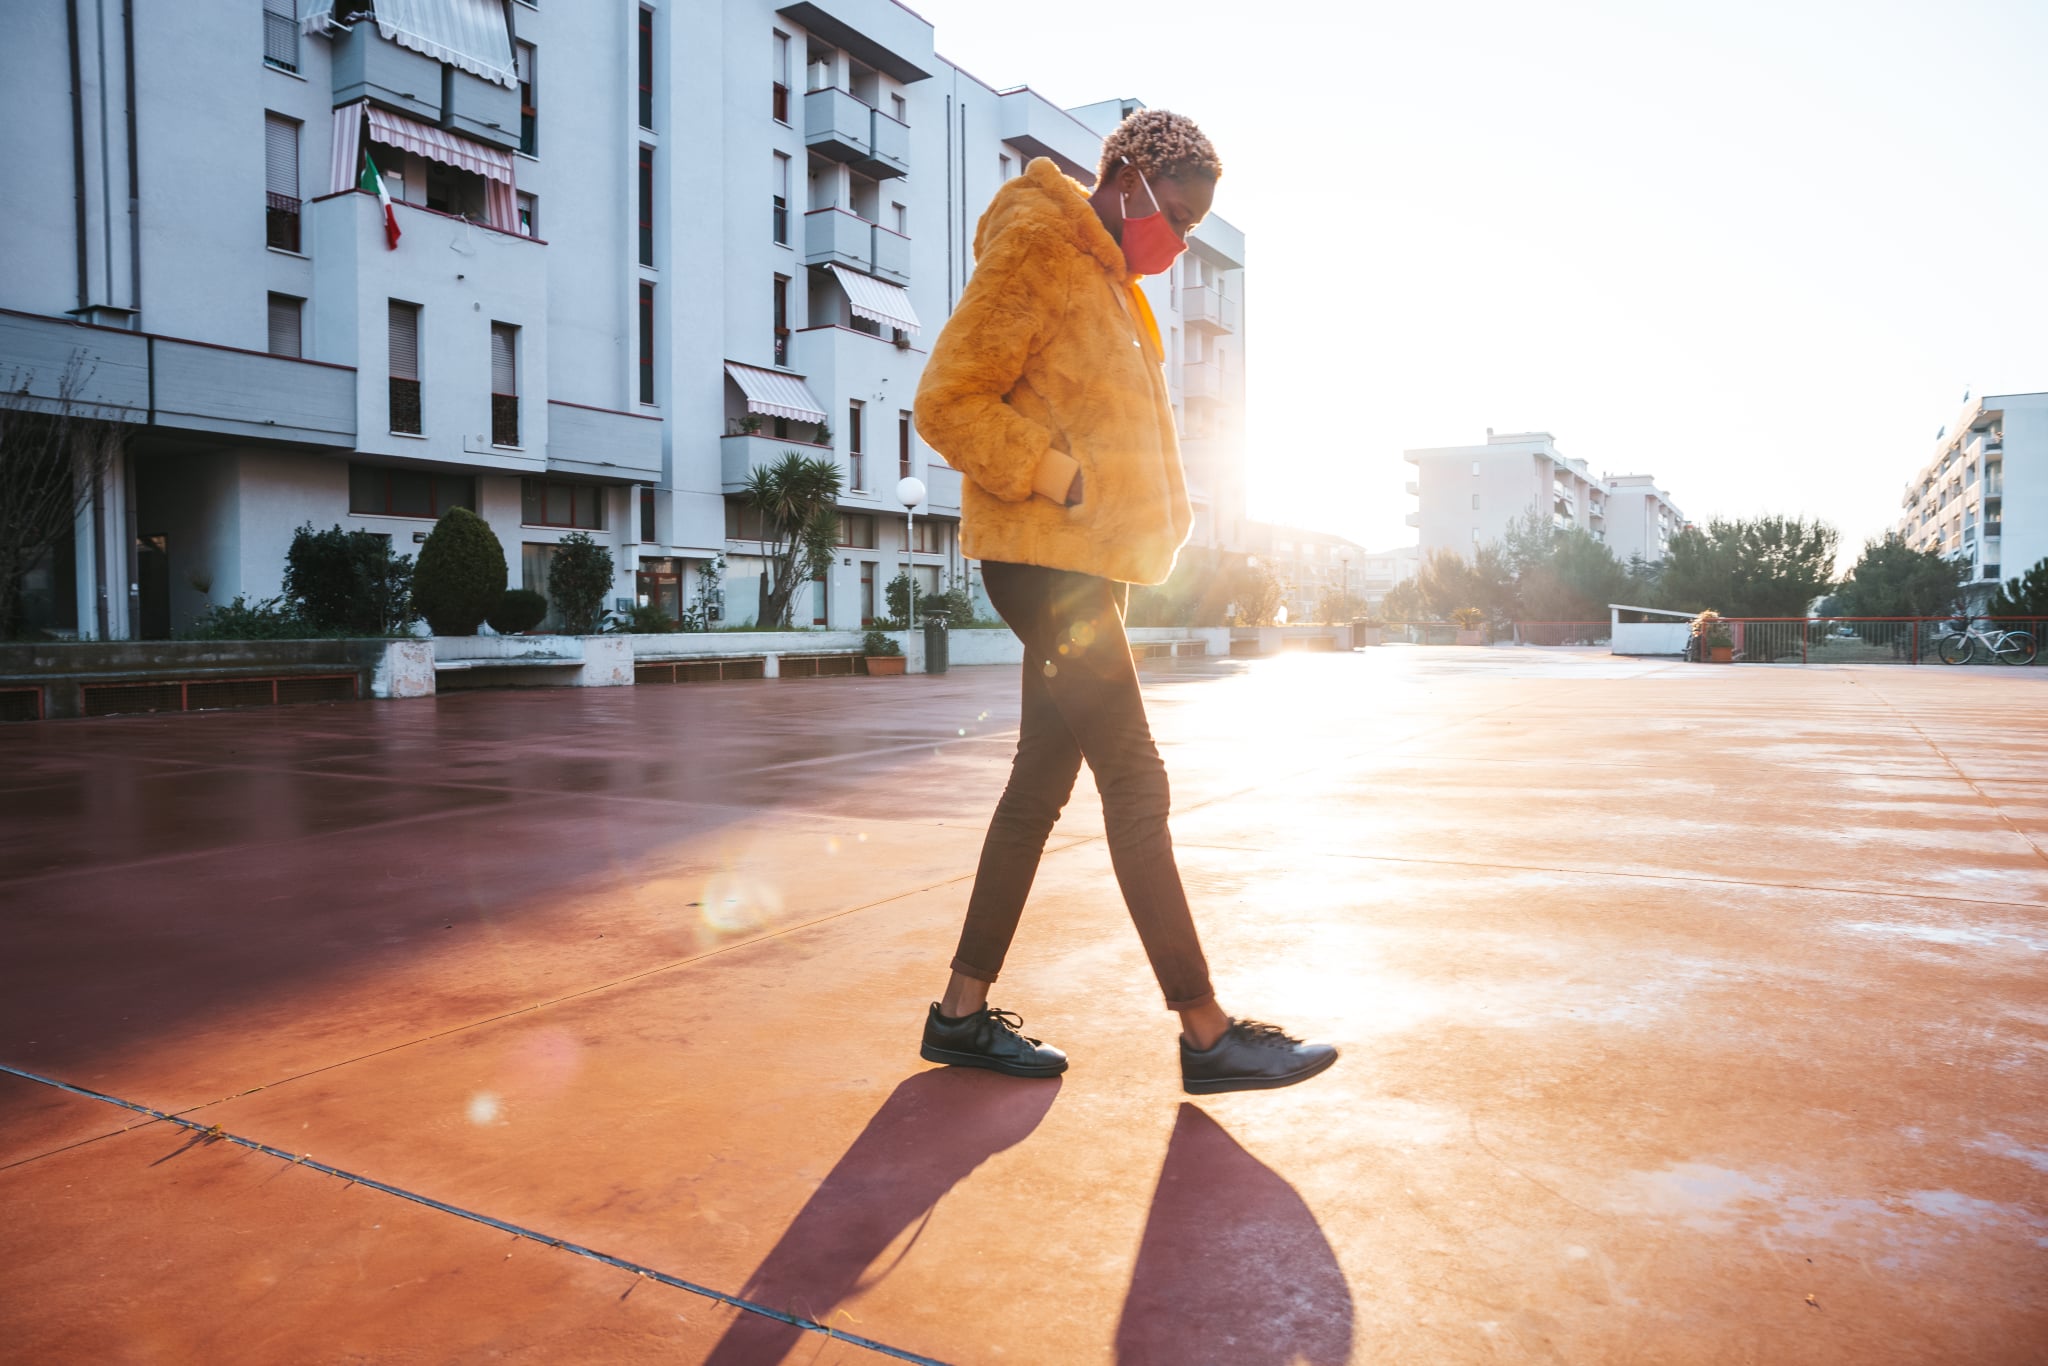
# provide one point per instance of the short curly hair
(1164, 145)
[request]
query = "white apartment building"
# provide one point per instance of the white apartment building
(1470, 495)
(1309, 563)
(1984, 495)
(645, 248)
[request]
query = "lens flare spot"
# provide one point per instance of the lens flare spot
(1082, 633)
(483, 1108)
(1051, 669)
(832, 845)
(736, 904)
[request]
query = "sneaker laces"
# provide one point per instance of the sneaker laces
(1264, 1035)
(1010, 1020)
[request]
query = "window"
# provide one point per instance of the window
(899, 219)
(529, 215)
(647, 68)
(779, 73)
(782, 320)
(504, 384)
(281, 182)
(286, 313)
(646, 205)
(647, 514)
(646, 342)
(280, 35)
(902, 445)
(858, 455)
(552, 502)
(523, 64)
(404, 347)
(867, 592)
(819, 598)
(780, 189)
(1475, 502)
(930, 537)
(899, 108)
(1003, 166)
(857, 530)
(384, 491)
(1475, 535)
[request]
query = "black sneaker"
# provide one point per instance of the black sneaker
(1251, 1057)
(988, 1038)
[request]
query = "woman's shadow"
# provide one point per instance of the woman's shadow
(1233, 1269)
(934, 1129)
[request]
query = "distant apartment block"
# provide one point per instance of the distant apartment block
(1984, 495)
(1470, 495)
(643, 251)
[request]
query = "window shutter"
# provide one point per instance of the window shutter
(405, 341)
(504, 372)
(284, 325)
(281, 155)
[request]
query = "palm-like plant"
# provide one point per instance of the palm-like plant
(797, 498)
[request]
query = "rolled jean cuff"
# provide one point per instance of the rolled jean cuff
(967, 969)
(1207, 998)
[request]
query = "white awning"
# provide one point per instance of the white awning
(470, 34)
(775, 394)
(438, 144)
(877, 300)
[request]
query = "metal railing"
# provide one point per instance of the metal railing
(1860, 640)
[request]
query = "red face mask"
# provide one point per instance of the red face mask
(1150, 246)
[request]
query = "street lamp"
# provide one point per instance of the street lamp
(1344, 554)
(909, 492)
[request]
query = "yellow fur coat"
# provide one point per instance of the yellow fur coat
(1046, 368)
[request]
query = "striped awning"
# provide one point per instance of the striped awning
(470, 34)
(877, 300)
(437, 144)
(775, 394)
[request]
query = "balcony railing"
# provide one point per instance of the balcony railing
(280, 221)
(1207, 306)
(1202, 380)
(840, 126)
(839, 235)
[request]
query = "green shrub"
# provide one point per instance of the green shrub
(579, 580)
(460, 575)
(348, 582)
(264, 619)
(875, 645)
(518, 609)
(645, 619)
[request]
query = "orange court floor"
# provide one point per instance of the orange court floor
(1688, 1014)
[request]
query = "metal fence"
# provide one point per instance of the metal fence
(1563, 632)
(1873, 640)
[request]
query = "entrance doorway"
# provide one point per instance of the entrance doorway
(153, 586)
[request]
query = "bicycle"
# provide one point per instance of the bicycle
(2007, 647)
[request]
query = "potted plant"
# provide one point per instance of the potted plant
(1470, 620)
(749, 425)
(1716, 644)
(884, 655)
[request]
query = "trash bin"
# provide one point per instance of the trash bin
(1358, 639)
(936, 654)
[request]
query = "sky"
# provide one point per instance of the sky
(1758, 250)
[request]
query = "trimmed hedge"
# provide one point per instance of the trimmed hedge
(461, 574)
(519, 609)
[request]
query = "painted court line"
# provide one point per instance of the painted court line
(215, 1133)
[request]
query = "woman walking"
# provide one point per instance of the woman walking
(1045, 390)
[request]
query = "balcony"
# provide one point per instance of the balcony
(1413, 519)
(368, 65)
(1037, 127)
(836, 235)
(1202, 381)
(602, 443)
(1414, 489)
(844, 128)
(740, 456)
(1207, 307)
(941, 488)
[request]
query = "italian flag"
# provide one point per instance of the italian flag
(374, 183)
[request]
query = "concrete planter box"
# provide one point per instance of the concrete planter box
(884, 666)
(122, 677)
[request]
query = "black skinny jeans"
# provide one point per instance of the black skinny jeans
(1081, 701)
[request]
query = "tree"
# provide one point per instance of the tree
(1334, 605)
(1449, 581)
(1752, 567)
(1258, 593)
(797, 498)
(2024, 595)
(348, 582)
(579, 577)
(55, 449)
(1891, 579)
(1403, 602)
(460, 575)
(1559, 575)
